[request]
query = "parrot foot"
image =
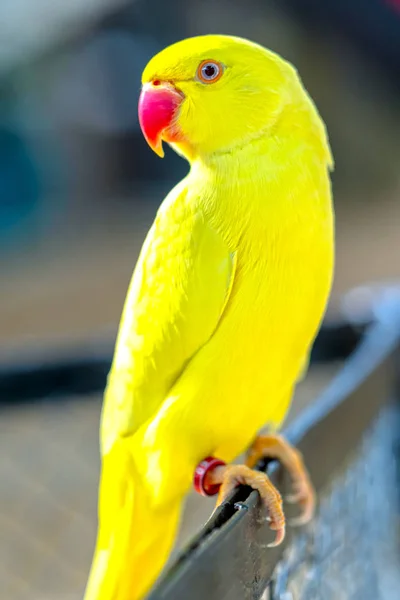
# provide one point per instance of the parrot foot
(230, 476)
(274, 446)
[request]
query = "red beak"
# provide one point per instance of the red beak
(158, 107)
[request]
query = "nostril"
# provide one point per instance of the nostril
(156, 82)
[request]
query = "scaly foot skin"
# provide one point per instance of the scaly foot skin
(230, 476)
(274, 446)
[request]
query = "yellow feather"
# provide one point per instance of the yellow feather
(224, 304)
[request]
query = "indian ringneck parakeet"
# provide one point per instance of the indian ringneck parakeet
(226, 299)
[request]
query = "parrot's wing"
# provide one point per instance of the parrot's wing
(177, 296)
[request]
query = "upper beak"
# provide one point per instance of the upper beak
(158, 106)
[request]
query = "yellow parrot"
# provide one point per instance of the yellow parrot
(224, 303)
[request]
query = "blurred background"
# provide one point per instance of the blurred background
(79, 188)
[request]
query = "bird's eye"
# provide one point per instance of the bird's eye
(209, 71)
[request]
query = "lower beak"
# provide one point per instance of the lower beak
(158, 109)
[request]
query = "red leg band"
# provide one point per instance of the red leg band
(206, 465)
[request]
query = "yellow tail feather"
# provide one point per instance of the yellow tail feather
(134, 539)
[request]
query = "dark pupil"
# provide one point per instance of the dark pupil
(209, 71)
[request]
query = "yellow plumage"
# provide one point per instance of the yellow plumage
(225, 301)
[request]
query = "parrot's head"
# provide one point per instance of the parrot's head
(213, 93)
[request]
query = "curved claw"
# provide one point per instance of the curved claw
(232, 475)
(303, 496)
(293, 498)
(280, 536)
(308, 505)
(299, 521)
(274, 446)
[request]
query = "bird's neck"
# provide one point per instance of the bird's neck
(244, 166)
(298, 132)
(264, 181)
